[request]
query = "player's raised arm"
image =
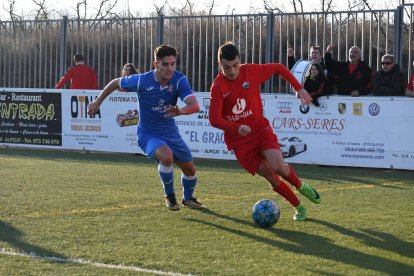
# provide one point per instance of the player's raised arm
(93, 107)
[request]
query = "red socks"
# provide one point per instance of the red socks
(293, 178)
(287, 193)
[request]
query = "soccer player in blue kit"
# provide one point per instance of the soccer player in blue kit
(158, 136)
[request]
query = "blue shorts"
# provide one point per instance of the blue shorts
(150, 143)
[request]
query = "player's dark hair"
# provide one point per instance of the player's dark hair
(163, 51)
(228, 51)
(78, 57)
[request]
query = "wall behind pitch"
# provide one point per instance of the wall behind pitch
(344, 131)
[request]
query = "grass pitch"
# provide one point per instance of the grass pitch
(71, 213)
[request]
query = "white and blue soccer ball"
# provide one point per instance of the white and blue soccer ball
(265, 213)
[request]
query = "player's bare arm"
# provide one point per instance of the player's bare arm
(190, 108)
(93, 107)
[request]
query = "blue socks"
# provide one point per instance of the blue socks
(189, 183)
(167, 178)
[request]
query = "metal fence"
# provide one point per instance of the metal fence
(35, 54)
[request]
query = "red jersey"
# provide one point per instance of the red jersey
(238, 102)
(410, 85)
(81, 76)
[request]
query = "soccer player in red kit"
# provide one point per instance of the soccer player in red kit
(236, 107)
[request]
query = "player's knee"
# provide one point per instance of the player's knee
(189, 171)
(165, 156)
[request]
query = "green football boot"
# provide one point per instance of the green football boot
(300, 213)
(310, 193)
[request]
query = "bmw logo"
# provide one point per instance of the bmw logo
(304, 108)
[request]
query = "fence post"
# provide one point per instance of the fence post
(63, 32)
(160, 29)
(269, 55)
(399, 25)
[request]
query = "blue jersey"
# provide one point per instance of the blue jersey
(154, 99)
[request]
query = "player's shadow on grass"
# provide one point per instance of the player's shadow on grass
(14, 237)
(375, 239)
(312, 245)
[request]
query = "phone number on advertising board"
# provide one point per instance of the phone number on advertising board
(361, 149)
(42, 141)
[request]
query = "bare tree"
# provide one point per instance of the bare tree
(160, 9)
(41, 12)
(294, 6)
(326, 5)
(269, 6)
(11, 10)
(211, 7)
(187, 9)
(105, 9)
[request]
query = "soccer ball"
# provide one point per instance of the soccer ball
(265, 213)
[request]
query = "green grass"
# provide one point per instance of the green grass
(109, 209)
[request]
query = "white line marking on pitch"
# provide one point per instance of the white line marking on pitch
(33, 255)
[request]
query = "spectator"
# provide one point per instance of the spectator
(409, 91)
(128, 70)
(354, 76)
(315, 56)
(389, 80)
(81, 76)
(315, 82)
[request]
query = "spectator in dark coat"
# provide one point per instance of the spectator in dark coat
(389, 80)
(354, 77)
(315, 56)
(315, 82)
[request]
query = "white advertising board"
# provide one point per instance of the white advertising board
(343, 131)
(112, 129)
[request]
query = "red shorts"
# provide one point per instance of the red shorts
(249, 155)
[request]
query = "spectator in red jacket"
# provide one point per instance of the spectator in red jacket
(409, 91)
(81, 76)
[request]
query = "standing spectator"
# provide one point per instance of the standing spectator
(354, 75)
(158, 135)
(315, 82)
(389, 80)
(409, 91)
(127, 70)
(80, 76)
(236, 108)
(315, 56)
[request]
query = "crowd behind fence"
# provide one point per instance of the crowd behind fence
(35, 54)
